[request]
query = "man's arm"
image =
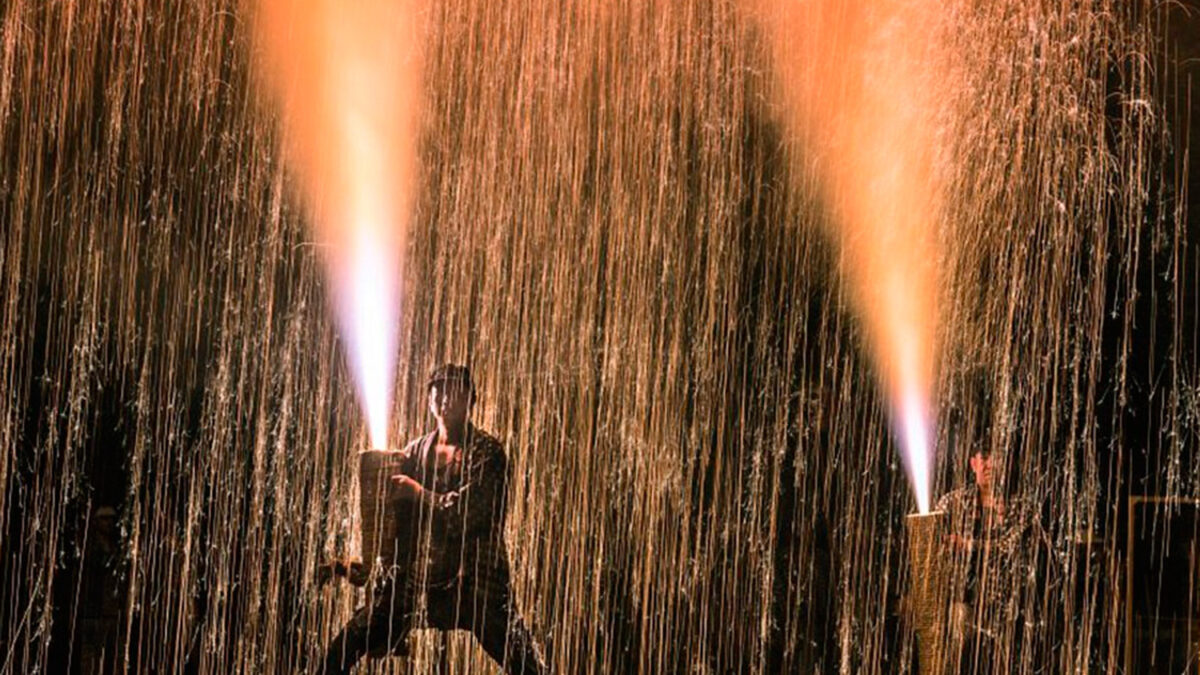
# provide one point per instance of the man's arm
(402, 463)
(475, 508)
(409, 457)
(953, 504)
(352, 569)
(478, 506)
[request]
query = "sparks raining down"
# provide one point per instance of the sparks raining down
(347, 76)
(701, 471)
(856, 79)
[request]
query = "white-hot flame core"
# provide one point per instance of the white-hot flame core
(914, 424)
(369, 316)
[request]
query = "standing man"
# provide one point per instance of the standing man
(991, 537)
(453, 483)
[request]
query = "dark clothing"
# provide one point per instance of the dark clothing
(456, 562)
(461, 533)
(387, 618)
(101, 606)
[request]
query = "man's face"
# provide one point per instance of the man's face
(105, 524)
(981, 466)
(449, 402)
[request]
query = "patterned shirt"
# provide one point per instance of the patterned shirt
(996, 543)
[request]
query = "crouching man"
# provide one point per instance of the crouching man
(451, 485)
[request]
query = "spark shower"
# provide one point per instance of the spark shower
(624, 216)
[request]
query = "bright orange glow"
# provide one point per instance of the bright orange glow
(857, 80)
(347, 75)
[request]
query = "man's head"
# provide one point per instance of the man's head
(104, 521)
(451, 394)
(981, 467)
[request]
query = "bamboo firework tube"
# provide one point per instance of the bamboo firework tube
(926, 603)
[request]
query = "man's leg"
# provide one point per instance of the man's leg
(485, 607)
(348, 646)
(385, 622)
(499, 628)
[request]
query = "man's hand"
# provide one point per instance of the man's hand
(352, 569)
(963, 544)
(407, 489)
(968, 544)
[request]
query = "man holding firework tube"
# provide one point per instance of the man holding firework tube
(450, 486)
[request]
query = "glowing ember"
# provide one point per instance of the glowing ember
(348, 78)
(856, 78)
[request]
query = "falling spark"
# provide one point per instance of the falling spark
(856, 79)
(347, 76)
